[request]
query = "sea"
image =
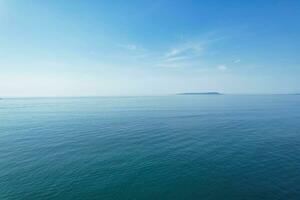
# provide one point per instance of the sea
(177, 147)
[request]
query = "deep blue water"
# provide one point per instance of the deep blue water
(172, 147)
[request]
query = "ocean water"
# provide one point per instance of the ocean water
(229, 147)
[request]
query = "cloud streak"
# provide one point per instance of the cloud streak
(222, 67)
(130, 47)
(187, 53)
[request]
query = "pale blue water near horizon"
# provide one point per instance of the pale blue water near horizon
(170, 147)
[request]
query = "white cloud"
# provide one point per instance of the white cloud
(130, 47)
(173, 52)
(237, 61)
(187, 53)
(190, 52)
(187, 49)
(222, 67)
(177, 58)
(169, 65)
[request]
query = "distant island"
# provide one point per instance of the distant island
(200, 93)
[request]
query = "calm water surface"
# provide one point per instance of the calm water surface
(173, 147)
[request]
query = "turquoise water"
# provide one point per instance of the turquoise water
(172, 147)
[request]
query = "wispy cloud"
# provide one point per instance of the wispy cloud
(237, 61)
(130, 47)
(177, 58)
(222, 67)
(172, 52)
(188, 52)
(169, 65)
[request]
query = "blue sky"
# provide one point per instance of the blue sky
(82, 48)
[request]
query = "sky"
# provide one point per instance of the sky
(151, 47)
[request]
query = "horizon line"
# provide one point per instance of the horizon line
(154, 95)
